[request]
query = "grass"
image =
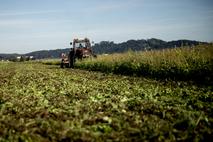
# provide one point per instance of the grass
(177, 64)
(50, 61)
(45, 103)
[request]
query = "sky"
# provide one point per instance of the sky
(31, 25)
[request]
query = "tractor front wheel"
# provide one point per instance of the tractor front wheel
(62, 65)
(71, 62)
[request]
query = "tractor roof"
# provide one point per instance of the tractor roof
(81, 40)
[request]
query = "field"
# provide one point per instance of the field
(40, 102)
(186, 63)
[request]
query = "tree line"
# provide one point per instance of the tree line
(108, 47)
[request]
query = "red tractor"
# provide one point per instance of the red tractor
(81, 49)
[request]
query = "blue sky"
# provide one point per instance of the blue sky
(31, 25)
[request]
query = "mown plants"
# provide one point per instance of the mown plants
(45, 103)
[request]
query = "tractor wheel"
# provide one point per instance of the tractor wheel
(67, 65)
(71, 63)
(62, 65)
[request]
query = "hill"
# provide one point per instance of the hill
(108, 47)
(140, 45)
(8, 56)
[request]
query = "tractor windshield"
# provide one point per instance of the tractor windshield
(80, 44)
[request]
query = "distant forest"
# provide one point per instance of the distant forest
(109, 47)
(140, 45)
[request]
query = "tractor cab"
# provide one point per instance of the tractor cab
(81, 48)
(81, 43)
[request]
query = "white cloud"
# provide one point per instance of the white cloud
(21, 13)
(109, 6)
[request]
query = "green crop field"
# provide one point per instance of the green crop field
(186, 63)
(123, 102)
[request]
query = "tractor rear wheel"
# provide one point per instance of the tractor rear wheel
(62, 65)
(71, 62)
